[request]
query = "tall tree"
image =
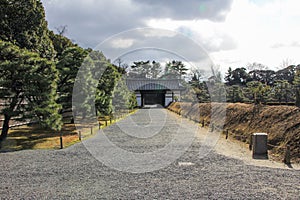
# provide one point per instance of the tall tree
(235, 94)
(176, 68)
(90, 90)
(23, 23)
(258, 91)
(228, 77)
(203, 93)
(60, 43)
(282, 91)
(83, 95)
(145, 69)
(140, 69)
(238, 76)
(105, 89)
(28, 86)
(68, 66)
(296, 83)
(123, 99)
(287, 73)
(263, 76)
(199, 87)
(155, 70)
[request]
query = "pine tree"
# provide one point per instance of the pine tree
(140, 69)
(28, 86)
(104, 93)
(68, 65)
(123, 99)
(22, 22)
(155, 70)
(176, 68)
(84, 93)
(95, 84)
(235, 94)
(60, 43)
(296, 83)
(260, 92)
(228, 77)
(282, 91)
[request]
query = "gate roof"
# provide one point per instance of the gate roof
(154, 84)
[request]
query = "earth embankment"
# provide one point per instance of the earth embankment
(282, 123)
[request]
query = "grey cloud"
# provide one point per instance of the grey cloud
(225, 42)
(90, 22)
(159, 45)
(186, 10)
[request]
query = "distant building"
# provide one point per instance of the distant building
(155, 91)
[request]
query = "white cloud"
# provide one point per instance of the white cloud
(249, 33)
(157, 33)
(122, 43)
(258, 27)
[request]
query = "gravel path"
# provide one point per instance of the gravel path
(75, 173)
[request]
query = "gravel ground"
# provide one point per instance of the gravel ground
(74, 173)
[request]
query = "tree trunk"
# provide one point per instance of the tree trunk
(5, 127)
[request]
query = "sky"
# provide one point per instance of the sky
(233, 33)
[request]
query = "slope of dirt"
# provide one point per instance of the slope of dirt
(282, 123)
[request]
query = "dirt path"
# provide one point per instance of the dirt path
(239, 150)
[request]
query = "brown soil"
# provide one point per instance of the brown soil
(282, 123)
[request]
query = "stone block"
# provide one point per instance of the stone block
(260, 145)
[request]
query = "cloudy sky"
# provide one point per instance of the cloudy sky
(232, 32)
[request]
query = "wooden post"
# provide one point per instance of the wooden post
(212, 127)
(227, 133)
(99, 125)
(61, 141)
(110, 120)
(287, 155)
(105, 122)
(79, 135)
(203, 123)
(91, 130)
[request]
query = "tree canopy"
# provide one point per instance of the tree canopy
(28, 86)
(68, 65)
(23, 24)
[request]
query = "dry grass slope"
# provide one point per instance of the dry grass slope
(282, 123)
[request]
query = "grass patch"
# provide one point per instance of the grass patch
(36, 137)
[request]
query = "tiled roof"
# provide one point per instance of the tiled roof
(153, 84)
